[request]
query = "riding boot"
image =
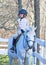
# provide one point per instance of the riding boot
(14, 44)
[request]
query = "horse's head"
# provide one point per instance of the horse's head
(30, 35)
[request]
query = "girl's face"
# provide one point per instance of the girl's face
(21, 15)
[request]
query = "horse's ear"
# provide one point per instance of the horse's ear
(34, 28)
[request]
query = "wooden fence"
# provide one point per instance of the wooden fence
(3, 46)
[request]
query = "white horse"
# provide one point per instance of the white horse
(23, 46)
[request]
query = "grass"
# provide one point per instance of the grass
(3, 60)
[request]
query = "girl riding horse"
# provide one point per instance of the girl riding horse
(22, 24)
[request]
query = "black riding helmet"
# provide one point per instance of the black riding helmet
(23, 11)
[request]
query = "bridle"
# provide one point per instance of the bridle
(27, 41)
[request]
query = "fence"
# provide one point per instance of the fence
(43, 48)
(3, 46)
(35, 54)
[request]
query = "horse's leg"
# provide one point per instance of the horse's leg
(20, 62)
(28, 61)
(10, 60)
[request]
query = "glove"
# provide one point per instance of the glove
(22, 31)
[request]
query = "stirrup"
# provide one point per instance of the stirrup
(12, 50)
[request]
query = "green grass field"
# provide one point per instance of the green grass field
(3, 60)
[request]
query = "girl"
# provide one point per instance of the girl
(22, 24)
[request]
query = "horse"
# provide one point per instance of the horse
(24, 47)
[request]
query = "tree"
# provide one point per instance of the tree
(37, 22)
(19, 4)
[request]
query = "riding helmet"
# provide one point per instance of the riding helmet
(23, 11)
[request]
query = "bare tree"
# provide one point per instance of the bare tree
(19, 4)
(37, 22)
